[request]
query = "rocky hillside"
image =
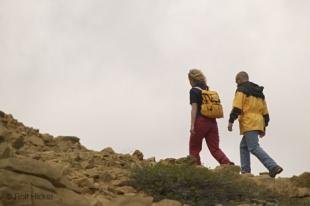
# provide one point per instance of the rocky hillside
(40, 169)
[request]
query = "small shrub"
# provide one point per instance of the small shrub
(194, 186)
(303, 180)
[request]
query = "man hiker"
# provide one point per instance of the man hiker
(202, 127)
(250, 106)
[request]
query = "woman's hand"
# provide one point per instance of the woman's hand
(192, 130)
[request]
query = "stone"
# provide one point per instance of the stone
(16, 195)
(70, 198)
(31, 166)
(100, 201)
(6, 151)
(72, 139)
(47, 137)
(42, 197)
(167, 202)
(16, 180)
(108, 150)
(86, 182)
(303, 192)
(64, 182)
(18, 143)
(132, 201)
(35, 140)
(126, 190)
(138, 154)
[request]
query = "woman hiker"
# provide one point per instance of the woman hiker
(202, 128)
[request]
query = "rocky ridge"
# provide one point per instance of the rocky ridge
(40, 169)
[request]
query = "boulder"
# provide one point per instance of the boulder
(5, 151)
(18, 142)
(33, 167)
(108, 150)
(167, 202)
(70, 198)
(132, 201)
(15, 180)
(138, 154)
(72, 139)
(35, 140)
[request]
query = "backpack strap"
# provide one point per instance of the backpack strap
(202, 90)
(198, 88)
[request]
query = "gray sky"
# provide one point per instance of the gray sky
(114, 73)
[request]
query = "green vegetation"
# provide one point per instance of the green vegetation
(195, 186)
(302, 180)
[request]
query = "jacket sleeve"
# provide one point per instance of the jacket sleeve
(237, 106)
(266, 114)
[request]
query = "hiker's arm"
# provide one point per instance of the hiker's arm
(236, 110)
(266, 114)
(193, 115)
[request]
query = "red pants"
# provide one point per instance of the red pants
(207, 129)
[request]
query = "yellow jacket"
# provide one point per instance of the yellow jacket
(252, 110)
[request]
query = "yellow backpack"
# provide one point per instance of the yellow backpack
(211, 104)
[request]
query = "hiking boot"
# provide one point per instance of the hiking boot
(231, 163)
(274, 171)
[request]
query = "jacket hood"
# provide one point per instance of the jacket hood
(251, 89)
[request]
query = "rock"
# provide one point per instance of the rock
(303, 192)
(100, 202)
(6, 151)
(2, 114)
(2, 139)
(70, 198)
(72, 139)
(132, 201)
(36, 140)
(64, 182)
(108, 150)
(167, 202)
(26, 190)
(126, 190)
(31, 166)
(16, 196)
(18, 143)
(302, 180)
(138, 154)
(42, 197)
(85, 183)
(47, 137)
(16, 180)
(88, 164)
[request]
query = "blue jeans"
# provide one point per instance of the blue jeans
(249, 144)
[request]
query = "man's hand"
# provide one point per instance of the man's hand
(262, 134)
(230, 126)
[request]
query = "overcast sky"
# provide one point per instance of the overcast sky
(114, 72)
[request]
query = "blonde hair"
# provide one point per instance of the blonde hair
(196, 76)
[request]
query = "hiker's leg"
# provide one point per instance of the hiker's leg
(195, 142)
(245, 159)
(255, 149)
(212, 139)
